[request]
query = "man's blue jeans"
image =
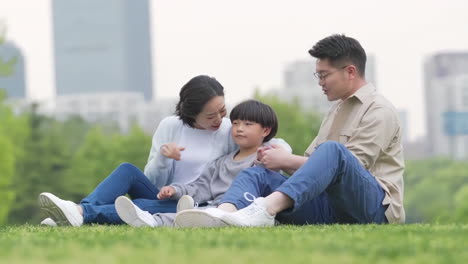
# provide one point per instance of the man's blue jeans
(99, 206)
(331, 187)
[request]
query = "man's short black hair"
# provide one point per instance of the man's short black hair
(341, 50)
(194, 95)
(255, 111)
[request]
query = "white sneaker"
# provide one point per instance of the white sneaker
(64, 213)
(185, 202)
(253, 215)
(48, 222)
(132, 214)
(210, 217)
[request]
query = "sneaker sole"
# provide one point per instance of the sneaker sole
(48, 222)
(197, 218)
(48, 203)
(126, 210)
(185, 203)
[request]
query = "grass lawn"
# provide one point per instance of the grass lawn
(285, 244)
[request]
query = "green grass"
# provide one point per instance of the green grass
(285, 244)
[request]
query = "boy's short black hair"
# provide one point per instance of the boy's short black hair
(255, 111)
(341, 50)
(194, 95)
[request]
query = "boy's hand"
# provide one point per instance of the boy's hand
(171, 150)
(261, 151)
(274, 158)
(166, 192)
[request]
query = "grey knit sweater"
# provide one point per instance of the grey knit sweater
(215, 179)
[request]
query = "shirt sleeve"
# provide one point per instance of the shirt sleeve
(373, 135)
(159, 168)
(281, 142)
(200, 188)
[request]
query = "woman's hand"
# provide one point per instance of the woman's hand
(166, 192)
(171, 150)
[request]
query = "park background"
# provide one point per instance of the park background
(246, 46)
(84, 84)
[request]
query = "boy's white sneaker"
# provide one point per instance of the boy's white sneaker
(48, 222)
(132, 214)
(64, 213)
(185, 202)
(253, 215)
(210, 217)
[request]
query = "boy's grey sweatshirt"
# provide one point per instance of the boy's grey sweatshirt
(215, 179)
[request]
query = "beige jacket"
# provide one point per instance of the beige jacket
(368, 125)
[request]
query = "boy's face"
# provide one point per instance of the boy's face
(248, 134)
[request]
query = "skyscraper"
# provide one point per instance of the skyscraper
(13, 83)
(102, 46)
(446, 86)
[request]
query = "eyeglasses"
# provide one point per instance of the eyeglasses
(323, 76)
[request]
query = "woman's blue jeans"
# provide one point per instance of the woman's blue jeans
(99, 206)
(331, 187)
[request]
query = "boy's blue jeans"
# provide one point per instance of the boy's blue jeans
(99, 206)
(331, 187)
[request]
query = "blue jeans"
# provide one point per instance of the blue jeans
(99, 206)
(331, 187)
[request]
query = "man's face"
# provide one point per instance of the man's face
(334, 81)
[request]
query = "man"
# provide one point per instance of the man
(351, 173)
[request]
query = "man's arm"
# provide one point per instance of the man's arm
(277, 158)
(375, 133)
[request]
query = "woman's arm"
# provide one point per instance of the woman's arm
(159, 168)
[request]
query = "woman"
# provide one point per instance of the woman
(182, 146)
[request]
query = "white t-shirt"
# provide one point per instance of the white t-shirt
(198, 145)
(162, 171)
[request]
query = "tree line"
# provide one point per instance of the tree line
(69, 158)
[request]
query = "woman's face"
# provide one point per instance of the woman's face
(212, 114)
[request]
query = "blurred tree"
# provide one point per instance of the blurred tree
(461, 205)
(100, 154)
(431, 190)
(13, 131)
(296, 126)
(48, 152)
(6, 66)
(134, 147)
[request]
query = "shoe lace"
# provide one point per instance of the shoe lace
(247, 196)
(253, 208)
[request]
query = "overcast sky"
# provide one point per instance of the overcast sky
(247, 44)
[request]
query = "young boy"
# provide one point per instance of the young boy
(253, 124)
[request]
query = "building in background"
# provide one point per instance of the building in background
(13, 83)
(102, 47)
(446, 87)
(300, 86)
(371, 70)
(123, 109)
(403, 116)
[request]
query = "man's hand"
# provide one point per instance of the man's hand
(171, 150)
(166, 192)
(261, 151)
(274, 158)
